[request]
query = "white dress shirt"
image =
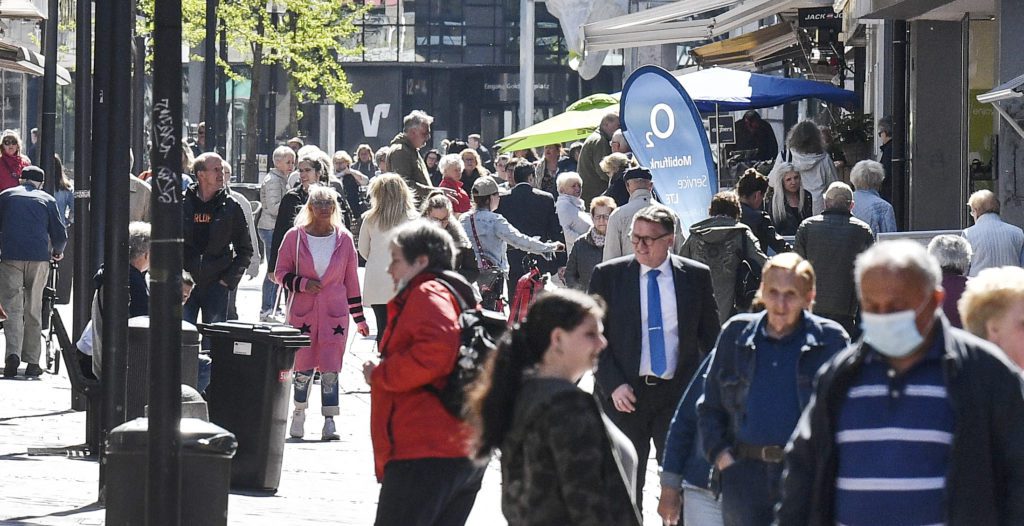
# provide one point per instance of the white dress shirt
(669, 320)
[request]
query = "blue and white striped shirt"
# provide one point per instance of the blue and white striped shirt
(893, 438)
(995, 243)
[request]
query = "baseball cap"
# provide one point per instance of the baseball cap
(485, 186)
(638, 172)
(33, 173)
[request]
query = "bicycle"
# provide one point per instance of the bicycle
(53, 324)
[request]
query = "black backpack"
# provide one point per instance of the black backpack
(481, 330)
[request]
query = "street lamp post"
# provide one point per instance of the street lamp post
(527, 28)
(48, 131)
(210, 77)
(276, 10)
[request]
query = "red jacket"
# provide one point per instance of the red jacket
(460, 201)
(418, 348)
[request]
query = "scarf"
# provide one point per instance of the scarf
(13, 164)
(598, 239)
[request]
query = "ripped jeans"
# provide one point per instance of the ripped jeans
(328, 391)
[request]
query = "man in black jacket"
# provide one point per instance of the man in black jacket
(532, 212)
(919, 423)
(217, 244)
(662, 320)
(751, 188)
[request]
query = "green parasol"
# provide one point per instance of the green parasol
(580, 119)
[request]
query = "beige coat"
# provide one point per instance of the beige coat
(375, 247)
(617, 241)
(138, 205)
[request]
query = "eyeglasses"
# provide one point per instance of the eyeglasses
(646, 240)
(10, 142)
(322, 203)
(602, 217)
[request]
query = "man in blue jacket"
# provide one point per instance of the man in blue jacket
(759, 381)
(31, 234)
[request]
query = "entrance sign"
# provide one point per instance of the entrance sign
(657, 116)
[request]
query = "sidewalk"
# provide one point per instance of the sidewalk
(321, 482)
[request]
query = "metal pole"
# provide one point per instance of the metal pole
(48, 130)
(83, 272)
(138, 103)
(222, 99)
(98, 213)
(115, 249)
(526, 56)
(718, 146)
(164, 485)
(210, 77)
(900, 180)
(271, 132)
(100, 132)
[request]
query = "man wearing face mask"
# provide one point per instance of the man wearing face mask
(920, 423)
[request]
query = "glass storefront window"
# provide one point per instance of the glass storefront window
(12, 100)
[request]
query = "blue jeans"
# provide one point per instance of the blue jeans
(328, 390)
(750, 490)
(212, 299)
(700, 507)
(269, 287)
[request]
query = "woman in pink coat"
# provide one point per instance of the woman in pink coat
(317, 263)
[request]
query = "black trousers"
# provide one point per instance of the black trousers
(428, 492)
(380, 313)
(655, 405)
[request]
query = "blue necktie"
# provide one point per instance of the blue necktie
(655, 333)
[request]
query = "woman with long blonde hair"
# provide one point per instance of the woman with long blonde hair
(391, 205)
(318, 265)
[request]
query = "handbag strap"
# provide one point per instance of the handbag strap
(478, 251)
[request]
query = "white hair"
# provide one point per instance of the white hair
(281, 151)
(450, 160)
(564, 179)
(900, 255)
(952, 252)
(838, 196)
(867, 175)
(415, 119)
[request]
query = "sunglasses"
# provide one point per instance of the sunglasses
(10, 142)
(322, 204)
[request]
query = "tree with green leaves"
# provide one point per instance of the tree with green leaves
(306, 43)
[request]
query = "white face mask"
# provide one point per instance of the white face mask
(895, 334)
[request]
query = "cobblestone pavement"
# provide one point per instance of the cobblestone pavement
(321, 482)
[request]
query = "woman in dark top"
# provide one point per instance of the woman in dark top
(787, 201)
(431, 159)
(562, 461)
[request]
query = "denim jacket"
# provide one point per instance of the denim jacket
(683, 459)
(495, 234)
(723, 407)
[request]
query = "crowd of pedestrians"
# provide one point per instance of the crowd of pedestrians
(823, 381)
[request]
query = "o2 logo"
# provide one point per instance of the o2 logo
(655, 130)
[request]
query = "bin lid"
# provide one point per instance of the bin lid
(283, 336)
(189, 333)
(196, 436)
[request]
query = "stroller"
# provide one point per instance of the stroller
(527, 288)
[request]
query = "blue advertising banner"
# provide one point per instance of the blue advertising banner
(666, 133)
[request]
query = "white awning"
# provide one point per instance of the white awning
(646, 29)
(21, 9)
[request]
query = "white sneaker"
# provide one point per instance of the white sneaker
(298, 429)
(329, 432)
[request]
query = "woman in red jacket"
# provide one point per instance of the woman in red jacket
(420, 449)
(11, 159)
(317, 263)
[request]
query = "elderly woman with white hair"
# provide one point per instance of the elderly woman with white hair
(868, 206)
(992, 308)
(954, 256)
(451, 167)
(569, 207)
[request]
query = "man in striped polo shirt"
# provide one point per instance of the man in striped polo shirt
(919, 424)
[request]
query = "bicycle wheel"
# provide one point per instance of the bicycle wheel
(52, 353)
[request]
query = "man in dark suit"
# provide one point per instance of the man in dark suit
(662, 320)
(532, 212)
